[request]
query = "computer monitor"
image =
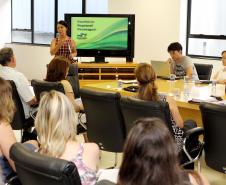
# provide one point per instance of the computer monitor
(103, 35)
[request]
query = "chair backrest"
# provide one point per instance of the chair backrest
(36, 169)
(204, 71)
(19, 120)
(133, 108)
(105, 124)
(214, 123)
(44, 86)
(72, 77)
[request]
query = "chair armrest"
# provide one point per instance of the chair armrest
(194, 132)
(33, 111)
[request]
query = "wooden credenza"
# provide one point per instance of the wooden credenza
(94, 72)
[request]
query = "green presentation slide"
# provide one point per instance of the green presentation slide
(105, 33)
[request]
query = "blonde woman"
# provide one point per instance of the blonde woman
(56, 127)
(1, 180)
(7, 138)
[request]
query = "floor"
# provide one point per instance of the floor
(107, 160)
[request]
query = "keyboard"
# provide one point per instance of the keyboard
(132, 88)
(168, 78)
(205, 81)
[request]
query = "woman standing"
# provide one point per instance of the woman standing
(63, 45)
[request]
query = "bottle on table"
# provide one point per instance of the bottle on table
(186, 87)
(172, 79)
(214, 88)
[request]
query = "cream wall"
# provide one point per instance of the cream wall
(5, 20)
(31, 60)
(157, 24)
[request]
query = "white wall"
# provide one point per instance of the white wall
(5, 20)
(157, 24)
(31, 60)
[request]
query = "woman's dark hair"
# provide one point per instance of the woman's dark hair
(65, 24)
(223, 52)
(57, 69)
(150, 155)
(175, 46)
(5, 56)
(146, 76)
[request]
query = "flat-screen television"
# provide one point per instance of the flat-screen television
(103, 35)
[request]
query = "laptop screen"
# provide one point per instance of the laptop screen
(161, 68)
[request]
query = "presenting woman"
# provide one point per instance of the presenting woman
(63, 45)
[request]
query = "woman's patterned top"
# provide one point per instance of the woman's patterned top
(87, 175)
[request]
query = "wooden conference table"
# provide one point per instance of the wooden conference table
(187, 110)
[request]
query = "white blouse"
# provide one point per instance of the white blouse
(221, 75)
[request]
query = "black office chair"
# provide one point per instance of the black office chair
(214, 123)
(72, 77)
(204, 71)
(105, 124)
(44, 86)
(133, 108)
(36, 169)
(19, 117)
(19, 121)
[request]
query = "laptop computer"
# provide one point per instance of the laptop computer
(162, 69)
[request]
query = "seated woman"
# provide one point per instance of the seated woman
(150, 157)
(57, 72)
(146, 77)
(1, 180)
(56, 129)
(7, 138)
(220, 76)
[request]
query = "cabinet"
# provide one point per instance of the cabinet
(94, 72)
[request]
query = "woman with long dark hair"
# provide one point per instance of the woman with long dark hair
(150, 157)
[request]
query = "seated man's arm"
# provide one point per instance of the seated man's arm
(189, 71)
(33, 101)
(221, 81)
(25, 90)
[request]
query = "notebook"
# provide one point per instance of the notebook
(162, 69)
